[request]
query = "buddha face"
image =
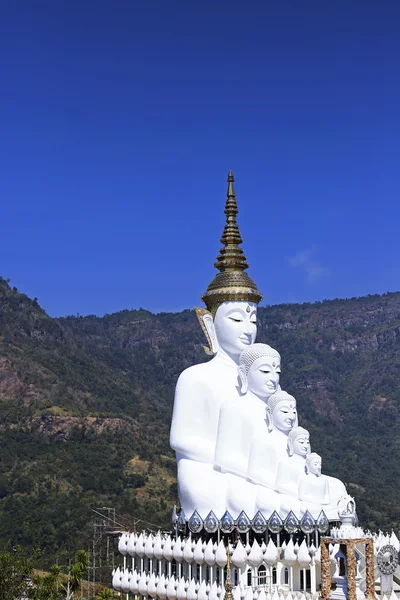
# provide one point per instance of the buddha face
(314, 464)
(284, 415)
(301, 445)
(235, 325)
(263, 376)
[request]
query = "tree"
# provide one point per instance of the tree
(106, 594)
(76, 571)
(55, 585)
(15, 573)
(47, 587)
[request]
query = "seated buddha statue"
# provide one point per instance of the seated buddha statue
(269, 448)
(291, 469)
(313, 486)
(241, 419)
(230, 325)
(318, 491)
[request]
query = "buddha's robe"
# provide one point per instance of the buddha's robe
(290, 470)
(199, 393)
(266, 452)
(313, 493)
(241, 419)
(336, 491)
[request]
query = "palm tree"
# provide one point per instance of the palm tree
(76, 572)
(47, 587)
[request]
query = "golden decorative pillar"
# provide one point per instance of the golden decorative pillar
(369, 563)
(325, 570)
(351, 570)
(228, 581)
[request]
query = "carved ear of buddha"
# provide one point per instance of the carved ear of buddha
(268, 418)
(290, 447)
(244, 384)
(207, 324)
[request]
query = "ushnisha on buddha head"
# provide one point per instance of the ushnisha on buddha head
(230, 321)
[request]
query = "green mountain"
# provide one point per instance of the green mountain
(86, 402)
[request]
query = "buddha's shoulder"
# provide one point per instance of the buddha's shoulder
(264, 440)
(195, 374)
(234, 404)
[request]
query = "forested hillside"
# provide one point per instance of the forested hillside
(85, 407)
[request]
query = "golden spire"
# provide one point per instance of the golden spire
(231, 257)
(228, 582)
(231, 283)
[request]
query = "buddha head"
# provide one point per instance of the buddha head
(299, 442)
(230, 321)
(313, 464)
(259, 370)
(281, 412)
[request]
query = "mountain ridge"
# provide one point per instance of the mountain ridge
(86, 403)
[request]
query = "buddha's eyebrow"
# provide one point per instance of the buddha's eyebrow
(234, 310)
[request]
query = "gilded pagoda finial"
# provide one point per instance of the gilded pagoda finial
(231, 189)
(228, 581)
(231, 257)
(231, 283)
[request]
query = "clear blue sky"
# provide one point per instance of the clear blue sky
(120, 119)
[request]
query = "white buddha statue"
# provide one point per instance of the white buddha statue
(241, 419)
(313, 486)
(291, 469)
(319, 490)
(230, 325)
(269, 448)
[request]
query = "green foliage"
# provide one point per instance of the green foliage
(77, 570)
(48, 586)
(15, 572)
(106, 594)
(86, 404)
(58, 586)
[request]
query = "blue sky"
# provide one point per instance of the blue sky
(119, 123)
